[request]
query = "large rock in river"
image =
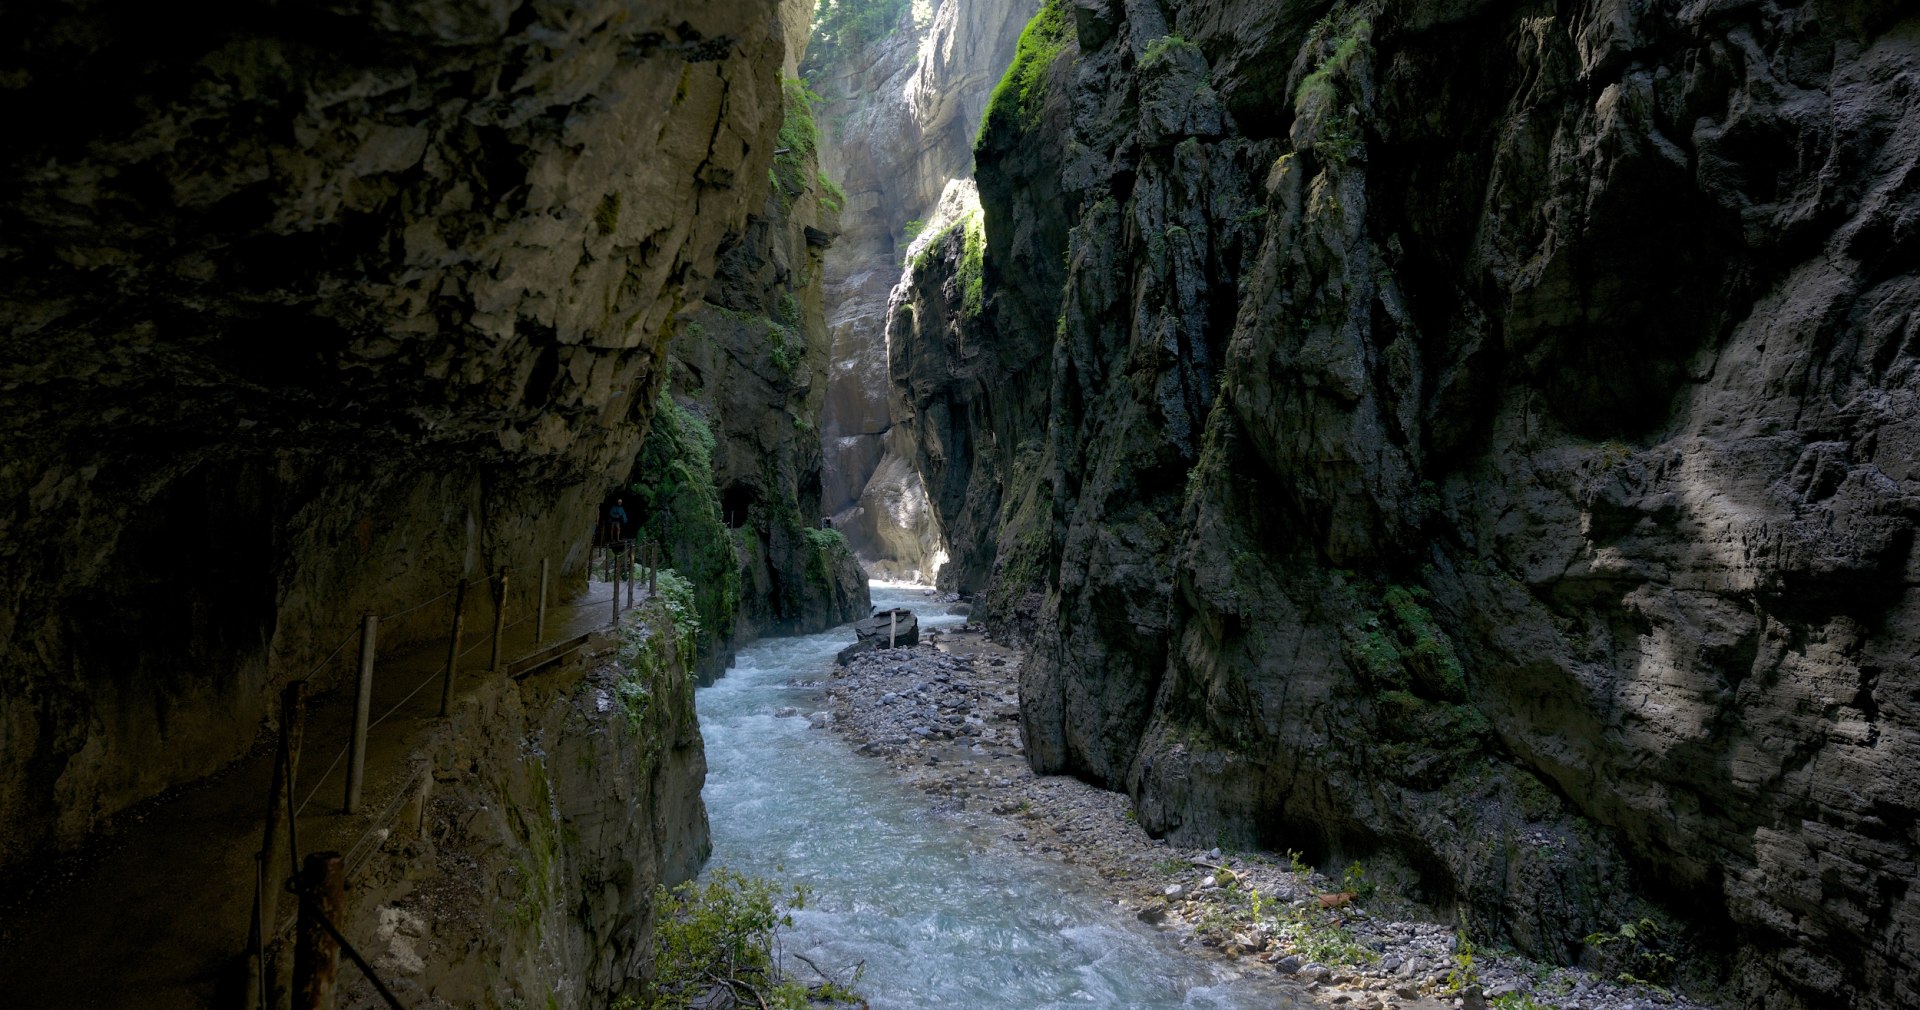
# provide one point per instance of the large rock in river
(888, 628)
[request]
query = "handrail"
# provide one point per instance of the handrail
(542, 654)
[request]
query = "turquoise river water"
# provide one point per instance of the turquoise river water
(942, 915)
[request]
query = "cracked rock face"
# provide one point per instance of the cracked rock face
(1487, 434)
(318, 308)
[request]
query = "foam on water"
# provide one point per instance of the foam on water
(940, 917)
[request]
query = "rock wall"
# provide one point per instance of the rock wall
(314, 309)
(523, 873)
(898, 125)
(1483, 434)
(751, 363)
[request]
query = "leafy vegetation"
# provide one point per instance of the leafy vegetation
(843, 27)
(1162, 49)
(1426, 725)
(678, 506)
(1342, 38)
(726, 934)
(972, 274)
(1016, 100)
(606, 217)
(831, 195)
(1462, 976)
(827, 550)
(826, 541)
(1638, 953)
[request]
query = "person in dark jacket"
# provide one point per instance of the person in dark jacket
(616, 519)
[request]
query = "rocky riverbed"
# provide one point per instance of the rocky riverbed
(945, 715)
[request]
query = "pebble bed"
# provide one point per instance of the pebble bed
(945, 715)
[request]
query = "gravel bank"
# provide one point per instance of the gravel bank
(945, 716)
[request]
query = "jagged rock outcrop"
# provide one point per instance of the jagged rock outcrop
(898, 123)
(1487, 434)
(312, 310)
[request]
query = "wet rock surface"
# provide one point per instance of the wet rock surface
(945, 716)
(1482, 435)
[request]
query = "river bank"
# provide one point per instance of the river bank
(944, 717)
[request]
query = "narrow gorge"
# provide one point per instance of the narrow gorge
(1430, 465)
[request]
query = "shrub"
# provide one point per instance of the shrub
(725, 933)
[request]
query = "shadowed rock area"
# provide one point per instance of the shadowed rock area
(313, 309)
(1478, 435)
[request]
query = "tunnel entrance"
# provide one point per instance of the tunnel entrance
(736, 501)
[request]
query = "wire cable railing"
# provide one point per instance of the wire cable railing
(624, 578)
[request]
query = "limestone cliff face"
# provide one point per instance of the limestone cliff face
(313, 309)
(898, 124)
(1487, 434)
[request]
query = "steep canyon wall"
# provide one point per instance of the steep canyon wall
(897, 127)
(750, 364)
(313, 309)
(1483, 433)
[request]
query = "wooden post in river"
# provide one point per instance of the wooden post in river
(316, 957)
(453, 646)
(893, 627)
(362, 703)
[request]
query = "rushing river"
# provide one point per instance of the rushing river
(942, 916)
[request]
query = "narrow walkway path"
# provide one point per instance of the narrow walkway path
(160, 920)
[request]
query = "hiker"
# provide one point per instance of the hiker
(616, 518)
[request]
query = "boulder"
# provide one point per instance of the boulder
(899, 626)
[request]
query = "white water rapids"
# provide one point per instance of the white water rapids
(941, 913)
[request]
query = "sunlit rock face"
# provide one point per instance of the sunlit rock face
(1488, 437)
(898, 123)
(313, 309)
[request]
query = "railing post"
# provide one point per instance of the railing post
(316, 957)
(653, 570)
(266, 903)
(540, 622)
(362, 703)
(615, 586)
(256, 997)
(453, 646)
(293, 717)
(499, 618)
(626, 572)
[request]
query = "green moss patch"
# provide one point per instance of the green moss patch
(1017, 99)
(678, 506)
